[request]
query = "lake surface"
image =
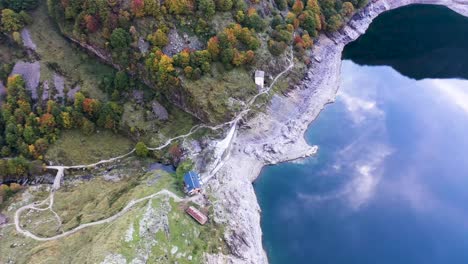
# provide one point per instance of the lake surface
(390, 181)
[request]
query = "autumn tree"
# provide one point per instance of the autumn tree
(180, 7)
(67, 122)
(78, 103)
(334, 23)
(308, 42)
(47, 123)
(253, 20)
(182, 59)
(159, 38)
(175, 152)
(109, 116)
(213, 47)
(308, 22)
(92, 24)
(11, 21)
(347, 9)
(152, 7)
(298, 7)
(91, 107)
(138, 7)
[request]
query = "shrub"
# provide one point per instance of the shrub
(141, 149)
(120, 39)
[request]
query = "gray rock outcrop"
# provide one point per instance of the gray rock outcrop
(159, 111)
(2, 89)
(31, 73)
(27, 41)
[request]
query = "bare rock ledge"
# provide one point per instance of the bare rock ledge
(277, 135)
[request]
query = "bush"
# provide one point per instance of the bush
(120, 39)
(141, 150)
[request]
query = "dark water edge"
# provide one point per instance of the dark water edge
(389, 182)
(419, 41)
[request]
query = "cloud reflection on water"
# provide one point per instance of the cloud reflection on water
(363, 160)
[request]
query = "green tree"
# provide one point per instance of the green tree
(141, 149)
(281, 4)
(334, 23)
(207, 8)
(19, 5)
(11, 21)
(29, 135)
(253, 20)
(121, 81)
(120, 39)
(224, 5)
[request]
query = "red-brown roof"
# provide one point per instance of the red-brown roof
(197, 215)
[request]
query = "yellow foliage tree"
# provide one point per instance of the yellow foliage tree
(66, 120)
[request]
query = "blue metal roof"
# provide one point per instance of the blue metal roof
(192, 180)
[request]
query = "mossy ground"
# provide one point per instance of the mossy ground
(74, 148)
(214, 93)
(152, 131)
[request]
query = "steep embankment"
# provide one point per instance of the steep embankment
(277, 135)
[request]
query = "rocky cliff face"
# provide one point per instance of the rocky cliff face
(277, 135)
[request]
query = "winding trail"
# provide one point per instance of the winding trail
(222, 153)
(78, 228)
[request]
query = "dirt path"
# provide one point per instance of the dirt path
(33, 206)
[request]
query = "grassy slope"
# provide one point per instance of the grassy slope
(91, 200)
(74, 148)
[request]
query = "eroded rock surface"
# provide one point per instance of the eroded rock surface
(31, 73)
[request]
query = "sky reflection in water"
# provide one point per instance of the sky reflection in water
(389, 183)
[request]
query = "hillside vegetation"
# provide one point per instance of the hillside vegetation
(172, 45)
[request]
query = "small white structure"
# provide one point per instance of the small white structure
(259, 78)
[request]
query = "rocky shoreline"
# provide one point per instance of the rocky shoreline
(278, 135)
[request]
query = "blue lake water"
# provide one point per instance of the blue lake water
(390, 181)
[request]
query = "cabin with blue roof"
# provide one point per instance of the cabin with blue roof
(192, 183)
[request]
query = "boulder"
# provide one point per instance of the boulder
(159, 111)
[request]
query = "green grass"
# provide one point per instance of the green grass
(74, 148)
(155, 132)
